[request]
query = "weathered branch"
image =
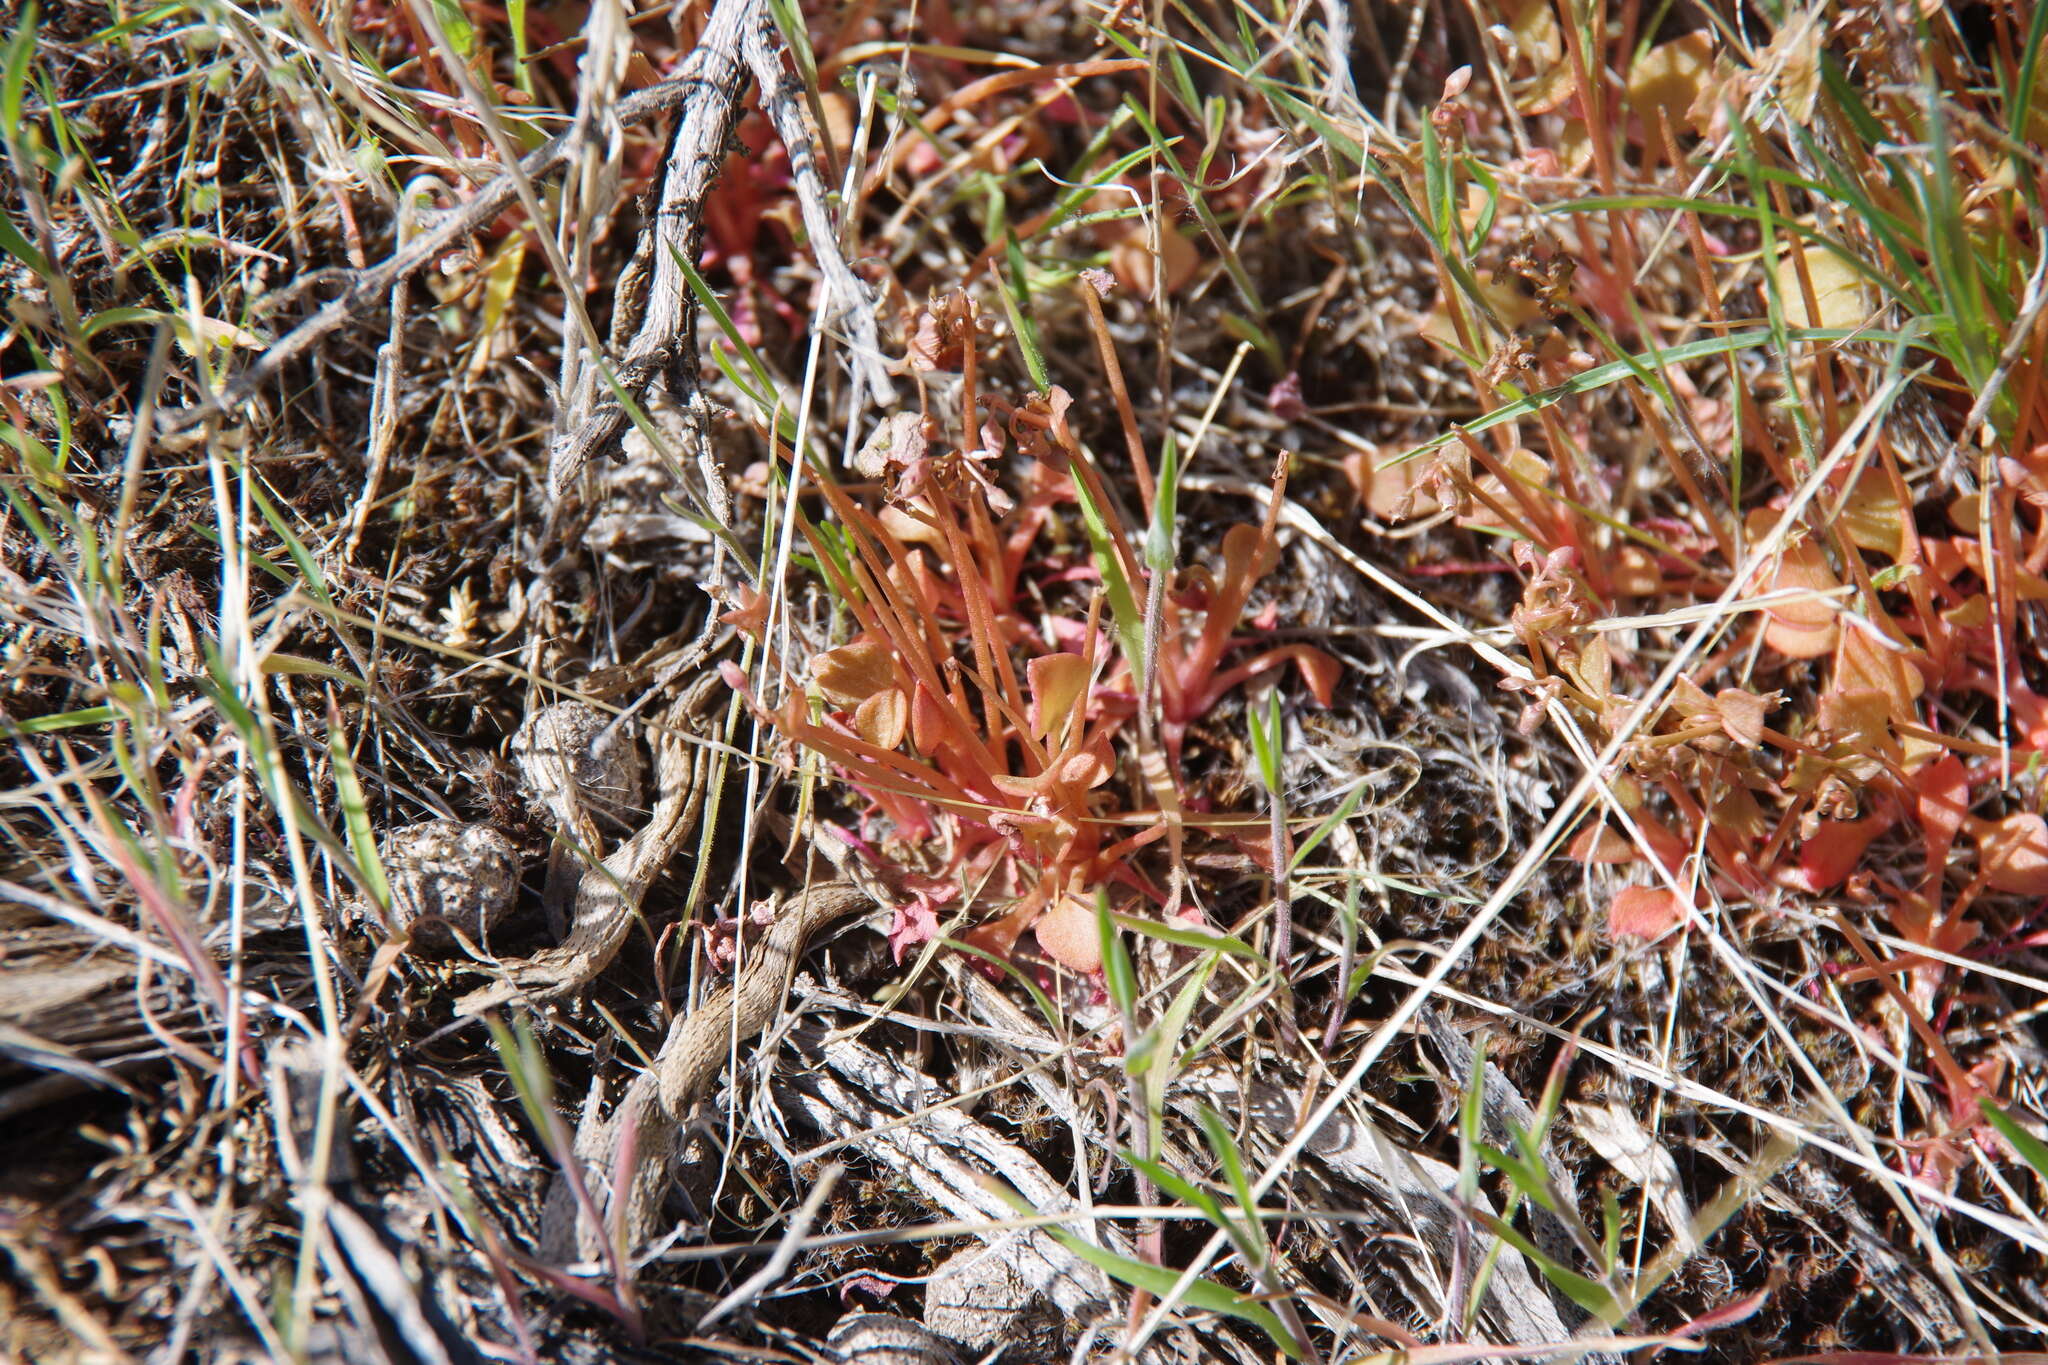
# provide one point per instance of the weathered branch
(370, 288)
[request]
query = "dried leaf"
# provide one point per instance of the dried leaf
(928, 722)
(1668, 78)
(1827, 859)
(1133, 264)
(1864, 664)
(1644, 912)
(1738, 813)
(1872, 516)
(884, 718)
(1393, 489)
(1742, 714)
(1602, 844)
(1841, 298)
(1633, 1150)
(899, 440)
(1057, 682)
(1248, 556)
(2013, 854)
(1800, 628)
(1635, 573)
(852, 673)
(1320, 671)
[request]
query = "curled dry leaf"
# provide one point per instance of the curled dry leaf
(852, 673)
(900, 440)
(1742, 714)
(1644, 912)
(2013, 854)
(1633, 1150)
(1800, 627)
(1058, 682)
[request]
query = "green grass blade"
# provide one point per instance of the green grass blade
(362, 836)
(1207, 1295)
(1183, 937)
(2032, 1150)
(1119, 973)
(1328, 825)
(1224, 1146)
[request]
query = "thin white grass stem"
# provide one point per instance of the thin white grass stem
(1591, 780)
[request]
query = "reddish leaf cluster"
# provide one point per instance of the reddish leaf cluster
(982, 726)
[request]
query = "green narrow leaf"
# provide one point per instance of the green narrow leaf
(35, 457)
(526, 1066)
(1483, 227)
(123, 317)
(1038, 996)
(455, 24)
(1610, 1230)
(67, 720)
(2021, 99)
(1436, 189)
(293, 546)
(515, 19)
(1264, 723)
(17, 246)
(1253, 330)
(1469, 1143)
(1614, 371)
(1159, 537)
(1188, 1193)
(1207, 1295)
(707, 299)
(1123, 602)
(1328, 825)
(1528, 1177)
(313, 668)
(1016, 296)
(1088, 184)
(1217, 1134)
(2031, 1149)
(1348, 918)
(1174, 1023)
(1119, 974)
(1183, 937)
(21, 51)
(796, 35)
(1587, 1294)
(135, 22)
(355, 809)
